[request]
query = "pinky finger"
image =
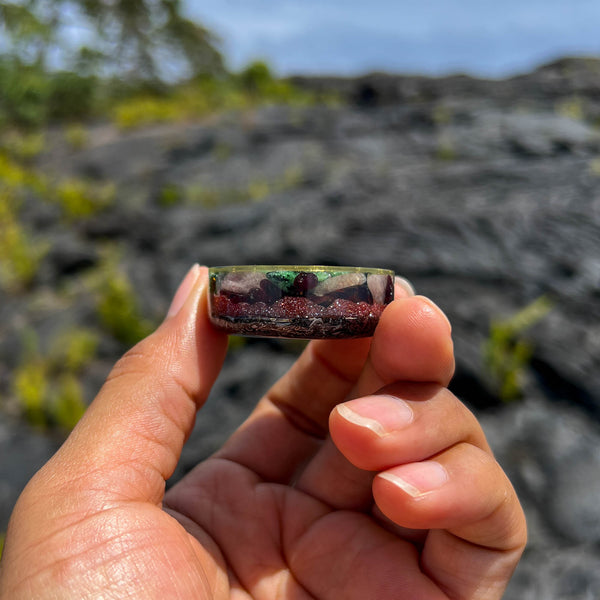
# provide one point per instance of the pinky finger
(477, 529)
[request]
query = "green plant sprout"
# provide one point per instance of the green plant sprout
(74, 349)
(30, 387)
(117, 305)
(14, 176)
(236, 343)
(67, 404)
(170, 195)
(253, 86)
(572, 107)
(77, 136)
(79, 199)
(445, 149)
(23, 146)
(594, 167)
(119, 311)
(76, 197)
(258, 189)
(20, 254)
(507, 353)
(46, 386)
(255, 190)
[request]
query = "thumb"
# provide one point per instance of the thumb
(130, 439)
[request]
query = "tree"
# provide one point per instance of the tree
(140, 40)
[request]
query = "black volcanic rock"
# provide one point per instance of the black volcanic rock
(485, 194)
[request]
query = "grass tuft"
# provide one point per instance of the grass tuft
(67, 403)
(79, 199)
(507, 353)
(20, 253)
(117, 304)
(46, 386)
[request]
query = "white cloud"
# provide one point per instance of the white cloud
(482, 36)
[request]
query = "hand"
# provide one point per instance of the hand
(358, 476)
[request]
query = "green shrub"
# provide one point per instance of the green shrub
(507, 353)
(71, 96)
(257, 81)
(446, 148)
(192, 100)
(67, 404)
(256, 77)
(572, 108)
(255, 190)
(24, 93)
(293, 176)
(79, 199)
(20, 253)
(76, 136)
(594, 166)
(12, 175)
(253, 86)
(118, 309)
(170, 195)
(222, 151)
(258, 189)
(46, 386)
(206, 197)
(236, 343)
(73, 349)
(17, 177)
(22, 146)
(30, 97)
(140, 111)
(441, 115)
(31, 387)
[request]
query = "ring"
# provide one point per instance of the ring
(291, 301)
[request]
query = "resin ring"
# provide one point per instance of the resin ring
(308, 302)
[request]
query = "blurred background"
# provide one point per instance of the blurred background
(458, 144)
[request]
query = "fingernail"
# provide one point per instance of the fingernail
(381, 414)
(183, 291)
(417, 479)
(405, 285)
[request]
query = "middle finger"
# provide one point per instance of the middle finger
(412, 343)
(402, 423)
(405, 422)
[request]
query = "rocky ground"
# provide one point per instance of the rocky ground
(485, 194)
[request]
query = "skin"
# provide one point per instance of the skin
(357, 476)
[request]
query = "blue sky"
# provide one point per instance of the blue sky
(435, 37)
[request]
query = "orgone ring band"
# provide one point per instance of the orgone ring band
(295, 301)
